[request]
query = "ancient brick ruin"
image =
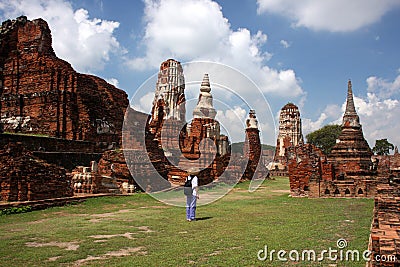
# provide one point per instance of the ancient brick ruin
(169, 97)
(170, 144)
(42, 94)
(66, 118)
(351, 155)
(252, 149)
(173, 146)
(388, 165)
(81, 118)
(26, 177)
(203, 146)
(384, 241)
(90, 180)
(290, 134)
(346, 172)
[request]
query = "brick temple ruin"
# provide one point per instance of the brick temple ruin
(351, 170)
(384, 239)
(290, 134)
(67, 121)
(348, 170)
(175, 146)
(42, 94)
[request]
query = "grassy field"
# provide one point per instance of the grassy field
(140, 231)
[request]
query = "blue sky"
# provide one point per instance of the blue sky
(299, 51)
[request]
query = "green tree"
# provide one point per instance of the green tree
(325, 138)
(382, 147)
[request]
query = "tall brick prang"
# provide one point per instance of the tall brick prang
(290, 133)
(169, 98)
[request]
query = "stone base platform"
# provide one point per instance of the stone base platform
(53, 202)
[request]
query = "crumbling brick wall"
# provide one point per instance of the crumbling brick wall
(25, 177)
(307, 164)
(310, 174)
(384, 238)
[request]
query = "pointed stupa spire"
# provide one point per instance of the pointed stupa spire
(204, 108)
(205, 84)
(350, 108)
(350, 118)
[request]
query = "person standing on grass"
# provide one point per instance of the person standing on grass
(192, 194)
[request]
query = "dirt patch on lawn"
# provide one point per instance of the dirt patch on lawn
(145, 229)
(127, 235)
(107, 216)
(54, 258)
(64, 245)
(281, 191)
(242, 196)
(38, 221)
(153, 207)
(118, 253)
(125, 211)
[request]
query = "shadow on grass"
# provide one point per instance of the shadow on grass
(203, 218)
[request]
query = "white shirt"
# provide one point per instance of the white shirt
(195, 184)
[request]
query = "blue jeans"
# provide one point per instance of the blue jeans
(191, 207)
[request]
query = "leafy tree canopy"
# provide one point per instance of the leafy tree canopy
(325, 138)
(382, 147)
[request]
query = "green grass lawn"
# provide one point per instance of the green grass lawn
(140, 231)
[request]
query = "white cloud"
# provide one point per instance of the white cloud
(310, 126)
(382, 87)
(378, 116)
(285, 43)
(230, 121)
(190, 30)
(113, 81)
(330, 15)
(84, 42)
(145, 103)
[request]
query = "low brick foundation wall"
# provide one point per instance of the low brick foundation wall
(53, 202)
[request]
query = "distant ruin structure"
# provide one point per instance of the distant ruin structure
(249, 165)
(197, 144)
(351, 155)
(290, 134)
(169, 97)
(252, 149)
(346, 172)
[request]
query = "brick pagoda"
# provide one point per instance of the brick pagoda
(346, 172)
(351, 154)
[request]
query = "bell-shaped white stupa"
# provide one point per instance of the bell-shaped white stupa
(204, 108)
